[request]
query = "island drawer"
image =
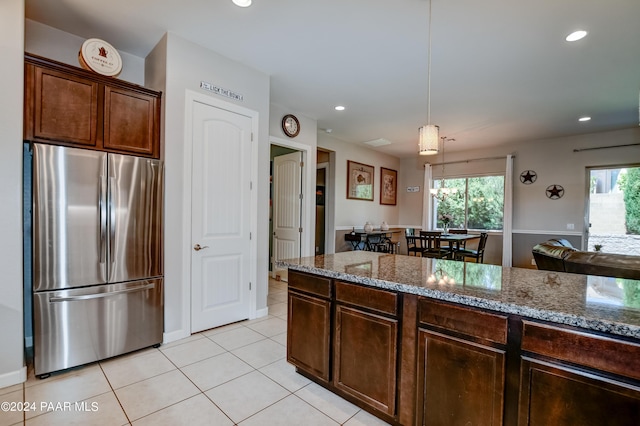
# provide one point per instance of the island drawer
(587, 349)
(484, 325)
(377, 300)
(308, 283)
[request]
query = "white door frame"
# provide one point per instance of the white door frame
(308, 216)
(190, 98)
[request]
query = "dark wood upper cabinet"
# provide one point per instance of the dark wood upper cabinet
(66, 105)
(129, 121)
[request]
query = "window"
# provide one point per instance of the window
(477, 204)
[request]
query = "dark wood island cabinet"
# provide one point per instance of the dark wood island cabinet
(366, 346)
(308, 337)
(461, 365)
(413, 352)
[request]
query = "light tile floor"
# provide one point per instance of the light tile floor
(236, 374)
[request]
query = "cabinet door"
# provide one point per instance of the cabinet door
(365, 357)
(130, 122)
(308, 334)
(61, 107)
(459, 382)
(553, 395)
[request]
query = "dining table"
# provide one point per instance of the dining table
(458, 239)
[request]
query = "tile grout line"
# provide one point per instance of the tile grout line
(115, 395)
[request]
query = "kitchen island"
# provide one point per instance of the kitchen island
(438, 342)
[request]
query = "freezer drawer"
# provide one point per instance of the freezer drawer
(75, 327)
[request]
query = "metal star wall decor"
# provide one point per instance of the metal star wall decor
(554, 192)
(528, 177)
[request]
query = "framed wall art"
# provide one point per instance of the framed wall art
(359, 181)
(388, 186)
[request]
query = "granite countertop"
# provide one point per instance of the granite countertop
(604, 304)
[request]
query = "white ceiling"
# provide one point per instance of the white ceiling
(501, 70)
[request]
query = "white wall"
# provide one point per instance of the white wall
(52, 43)
(174, 66)
(355, 213)
(12, 369)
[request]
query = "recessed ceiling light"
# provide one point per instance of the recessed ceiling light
(576, 35)
(242, 3)
(339, 108)
(584, 118)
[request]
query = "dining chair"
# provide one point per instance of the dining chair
(477, 254)
(413, 242)
(380, 243)
(430, 244)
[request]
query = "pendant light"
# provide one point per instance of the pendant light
(428, 141)
(443, 192)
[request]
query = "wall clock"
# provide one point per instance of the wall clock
(290, 125)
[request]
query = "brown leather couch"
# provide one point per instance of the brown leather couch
(560, 255)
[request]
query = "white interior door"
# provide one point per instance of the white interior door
(287, 190)
(221, 194)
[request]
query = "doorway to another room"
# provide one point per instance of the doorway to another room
(314, 209)
(324, 242)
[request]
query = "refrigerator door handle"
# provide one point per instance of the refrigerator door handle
(102, 200)
(100, 295)
(112, 220)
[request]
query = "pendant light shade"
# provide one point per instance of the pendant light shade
(429, 139)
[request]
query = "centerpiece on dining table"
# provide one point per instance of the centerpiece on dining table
(446, 219)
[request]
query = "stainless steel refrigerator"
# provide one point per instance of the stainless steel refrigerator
(97, 255)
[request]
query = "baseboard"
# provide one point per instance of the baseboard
(13, 377)
(262, 312)
(174, 335)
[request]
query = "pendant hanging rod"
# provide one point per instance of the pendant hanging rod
(429, 72)
(473, 160)
(605, 147)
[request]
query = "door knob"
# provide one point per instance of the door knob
(198, 247)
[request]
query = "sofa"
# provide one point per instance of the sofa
(560, 255)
